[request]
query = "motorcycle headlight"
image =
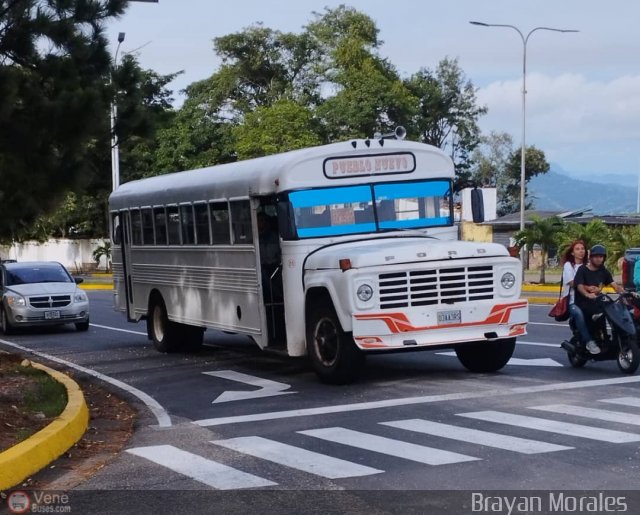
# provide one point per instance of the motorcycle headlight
(80, 297)
(364, 292)
(508, 280)
(16, 300)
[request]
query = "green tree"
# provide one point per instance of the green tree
(535, 163)
(542, 232)
(490, 162)
(448, 112)
(591, 233)
(280, 127)
(53, 68)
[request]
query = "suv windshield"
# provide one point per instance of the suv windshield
(37, 274)
(371, 208)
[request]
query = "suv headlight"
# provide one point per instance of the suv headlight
(80, 297)
(364, 292)
(16, 300)
(508, 280)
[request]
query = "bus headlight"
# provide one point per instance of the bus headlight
(364, 292)
(508, 280)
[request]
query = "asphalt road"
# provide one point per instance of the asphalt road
(415, 425)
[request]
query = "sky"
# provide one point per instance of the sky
(583, 89)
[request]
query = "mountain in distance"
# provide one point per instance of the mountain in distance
(605, 194)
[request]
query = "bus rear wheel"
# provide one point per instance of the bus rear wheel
(486, 356)
(333, 353)
(162, 331)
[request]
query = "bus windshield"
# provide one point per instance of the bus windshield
(370, 208)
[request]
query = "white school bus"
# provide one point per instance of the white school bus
(333, 252)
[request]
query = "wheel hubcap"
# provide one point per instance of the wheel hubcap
(326, 340)
(158, 327)
(625, 357)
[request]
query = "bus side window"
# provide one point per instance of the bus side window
(147, 226)
(136, 227)
(117, 232)
(202, 224)
(220, 223)
(173, 225)
(187, 224)
(241, 222)
(160, 219)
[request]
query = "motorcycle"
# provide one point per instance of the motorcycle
(623, 317)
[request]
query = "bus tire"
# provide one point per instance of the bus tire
(333, 353)
(486, 356)
(163, 332)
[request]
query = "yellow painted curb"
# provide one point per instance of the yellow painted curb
(552, 288)
(96, 286)
(541, 300)
(36, 452)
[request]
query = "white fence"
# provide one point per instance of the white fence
(76, 255)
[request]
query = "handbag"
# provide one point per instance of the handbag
(560, 310)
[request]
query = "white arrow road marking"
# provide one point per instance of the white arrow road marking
(534, 362)
(267, 387)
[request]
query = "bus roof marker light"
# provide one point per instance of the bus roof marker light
(345, 264)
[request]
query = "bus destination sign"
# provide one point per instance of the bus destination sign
(381, 164)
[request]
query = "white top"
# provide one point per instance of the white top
(568, 274)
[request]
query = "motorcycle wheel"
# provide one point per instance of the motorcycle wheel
(576, 361)
(628, 356)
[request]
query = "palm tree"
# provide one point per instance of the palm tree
(592, 233)
(543, 232)
(103, 250)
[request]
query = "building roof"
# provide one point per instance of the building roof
(512, 220)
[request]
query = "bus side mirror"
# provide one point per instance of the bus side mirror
(477, 205)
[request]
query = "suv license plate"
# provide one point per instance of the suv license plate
(51, 315)
(449, 317)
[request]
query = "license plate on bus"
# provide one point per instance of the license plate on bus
(449, 317)
(51, 315)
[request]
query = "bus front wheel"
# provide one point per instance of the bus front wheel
(163, 331)
(333, 353)
(486, 356)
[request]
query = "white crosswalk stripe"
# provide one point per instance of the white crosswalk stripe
(297, 458)
(598, 414)
(633, 402)
(388, 446)
(201, 469)
(475, 436)
(553, 426)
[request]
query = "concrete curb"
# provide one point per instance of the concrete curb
(36, 452)
(96, 286)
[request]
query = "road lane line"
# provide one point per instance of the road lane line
(598, 414)
(117, 329)
(633, 402)
(540, 344)
(388, 446)
(554, 426)
(200, 469)
(407, 401)
(297, 458)
(160, 413)
(475, 436)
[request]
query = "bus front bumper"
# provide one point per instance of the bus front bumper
(440, 326)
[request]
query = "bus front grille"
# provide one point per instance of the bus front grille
(435, 286)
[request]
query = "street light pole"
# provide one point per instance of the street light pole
(115, 150)
(525, 40)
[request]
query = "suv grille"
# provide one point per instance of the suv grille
(436, 286)
(52, 301)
